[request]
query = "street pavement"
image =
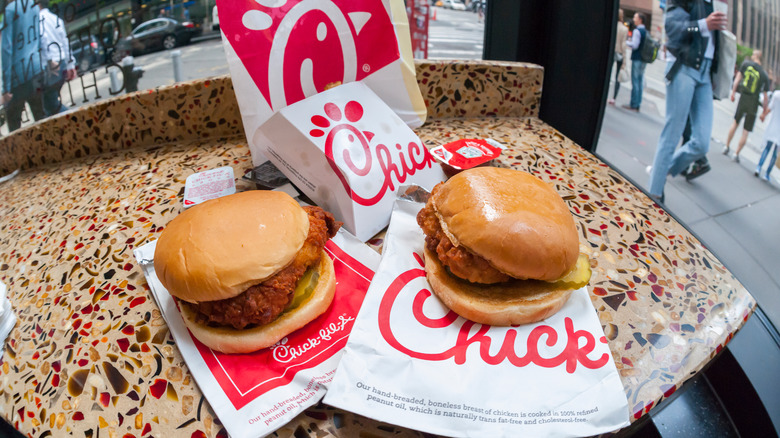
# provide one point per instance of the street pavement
(455, 35)
(732, 212)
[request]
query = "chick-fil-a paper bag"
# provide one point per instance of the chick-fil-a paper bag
(282, 51)
(348, 151)
(412, 362)
(254, 394)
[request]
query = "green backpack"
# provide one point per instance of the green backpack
(648, 51)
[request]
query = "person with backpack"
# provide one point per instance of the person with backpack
(751, 80)
(692, 34)
(638, 38)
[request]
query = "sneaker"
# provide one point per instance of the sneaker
(755, 173)
(736, 159)
(657, 199)
(725, 150)
(697, 169)
(611, 101)
(766, 178)
(630, 108)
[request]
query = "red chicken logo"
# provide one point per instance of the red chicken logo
(359, 157)
(293, 49)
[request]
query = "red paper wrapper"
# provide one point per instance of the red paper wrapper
(254, 394)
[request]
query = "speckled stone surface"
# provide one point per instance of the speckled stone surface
(183, 112)
(479, 89)
(91, 355)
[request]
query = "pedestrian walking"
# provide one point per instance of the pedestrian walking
(620, 53)
(638, 38)
(692, 31)
(21, 62)
(751, 81)
(771, 135)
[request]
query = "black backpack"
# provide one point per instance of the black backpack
(648, 50)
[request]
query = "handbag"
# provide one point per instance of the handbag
(623, 75)
(727, 58)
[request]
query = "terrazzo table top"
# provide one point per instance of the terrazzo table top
(92, 356)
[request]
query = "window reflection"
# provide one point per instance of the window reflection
(107, 48)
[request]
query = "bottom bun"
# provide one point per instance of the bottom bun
(511, 303)
(230, 340)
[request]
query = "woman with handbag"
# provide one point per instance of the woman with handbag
(620, 50)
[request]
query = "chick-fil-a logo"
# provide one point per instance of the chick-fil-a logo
(572, 354)
(394, 166)
(295, 48)
(283, 352)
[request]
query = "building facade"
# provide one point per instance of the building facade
(756, 23)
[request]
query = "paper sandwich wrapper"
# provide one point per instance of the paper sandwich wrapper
(256, 393)
(412, 362)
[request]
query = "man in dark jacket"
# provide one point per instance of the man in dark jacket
(691, 30)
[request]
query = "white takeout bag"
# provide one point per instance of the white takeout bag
(280, 52)
(411, 362)
(254, 394)
(347, 151)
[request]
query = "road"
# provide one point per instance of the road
(455, 35)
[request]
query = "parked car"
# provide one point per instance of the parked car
(159, 33)
(454, 4)
(87, 51)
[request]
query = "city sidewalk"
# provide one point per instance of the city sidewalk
(734, 213)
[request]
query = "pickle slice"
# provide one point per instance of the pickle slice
(304, 288)
(577, 277)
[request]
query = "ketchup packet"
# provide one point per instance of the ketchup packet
(412, 362)
(348, 152)
(467, 153)
(254, 394)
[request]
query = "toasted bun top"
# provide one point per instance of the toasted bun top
(512, 219)
(218, 249)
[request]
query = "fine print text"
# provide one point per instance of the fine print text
(474, 413)
(295, 402)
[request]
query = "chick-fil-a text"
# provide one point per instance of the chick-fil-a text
(572, 354)
(395, 166)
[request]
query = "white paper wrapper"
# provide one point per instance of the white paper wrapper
(411, 362)
(209, 184)
(347, 151)
(7, 316)
(280, 52)
(255, 394)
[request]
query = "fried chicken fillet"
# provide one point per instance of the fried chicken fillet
(460, 261)
(262, 303)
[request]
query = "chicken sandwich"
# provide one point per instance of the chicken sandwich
(248, 268)
(501, 247)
